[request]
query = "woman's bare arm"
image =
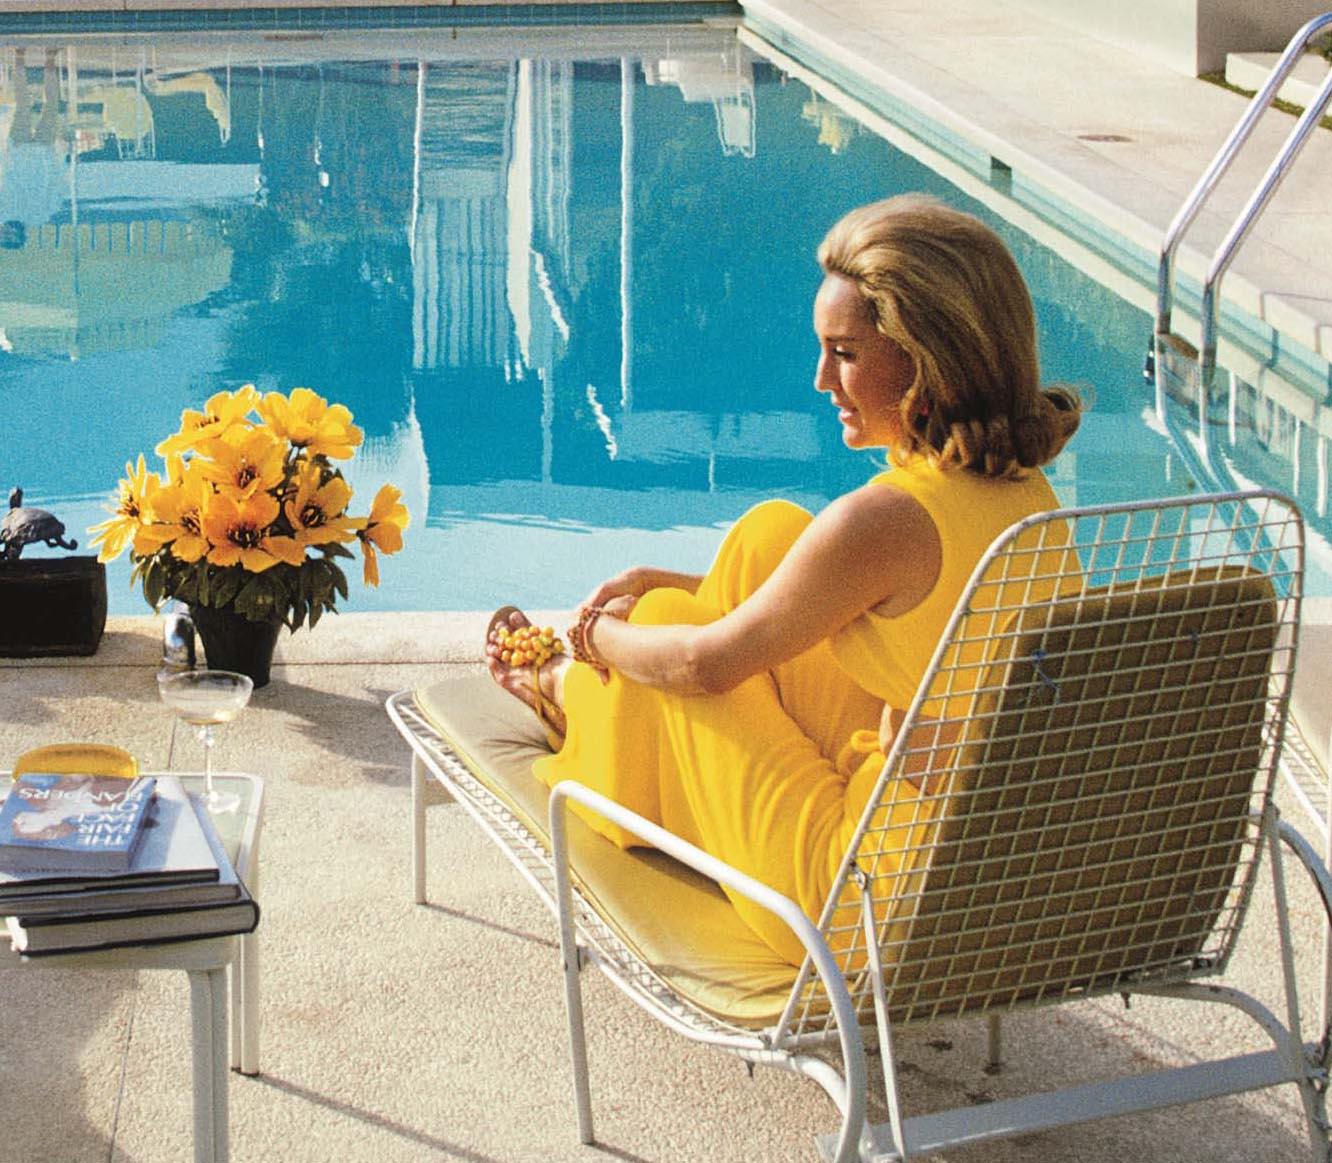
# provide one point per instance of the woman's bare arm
(871, 546)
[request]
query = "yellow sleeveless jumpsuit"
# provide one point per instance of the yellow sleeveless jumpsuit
(772, 776)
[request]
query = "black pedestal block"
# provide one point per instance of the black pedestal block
(53, 605)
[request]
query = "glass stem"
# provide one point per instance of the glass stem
(206, 738)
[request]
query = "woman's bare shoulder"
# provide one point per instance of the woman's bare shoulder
(881, 514)
(892, 540)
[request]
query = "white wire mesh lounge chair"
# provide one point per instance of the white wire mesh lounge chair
(1094, 750)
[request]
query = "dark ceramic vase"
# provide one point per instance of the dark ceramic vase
(232, 642)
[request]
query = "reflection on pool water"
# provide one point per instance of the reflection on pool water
(565, 292)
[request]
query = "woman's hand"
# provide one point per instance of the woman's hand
(634, 583)
(620, 607)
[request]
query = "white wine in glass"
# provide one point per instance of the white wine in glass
(206, 699)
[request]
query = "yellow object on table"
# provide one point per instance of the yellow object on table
(83, 758)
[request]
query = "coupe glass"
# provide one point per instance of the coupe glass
(205, 699)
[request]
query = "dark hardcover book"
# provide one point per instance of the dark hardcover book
(174, 849)
(72, 823)
(82, 934)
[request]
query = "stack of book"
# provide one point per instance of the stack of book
(92, 862)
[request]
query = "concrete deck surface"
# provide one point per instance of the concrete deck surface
(393, 1032)
(396, 1032)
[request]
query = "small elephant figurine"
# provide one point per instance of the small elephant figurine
(22, 527)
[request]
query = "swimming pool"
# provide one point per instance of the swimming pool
(562, 280)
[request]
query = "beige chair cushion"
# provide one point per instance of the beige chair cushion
(1096, 833)
(673, 919)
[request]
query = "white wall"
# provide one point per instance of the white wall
(1192, 36)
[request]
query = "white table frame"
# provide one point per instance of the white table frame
(206, 962)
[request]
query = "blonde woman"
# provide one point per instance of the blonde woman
(748, 710)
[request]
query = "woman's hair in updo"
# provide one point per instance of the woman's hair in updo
(943, 286)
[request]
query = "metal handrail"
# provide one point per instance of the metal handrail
(1239, 230)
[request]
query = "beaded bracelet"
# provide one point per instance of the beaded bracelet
(578, 632)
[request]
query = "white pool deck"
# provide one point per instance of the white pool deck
(394, 1032)
(1037, 96)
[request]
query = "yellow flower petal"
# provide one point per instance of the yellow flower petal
(223, 411)
(385, 505)
(388, 518)
(257, 560)
(188, 548)
(112, 537)
(316, 511)
(308, 421)
(148, 539)
(224, 554)
(236, 529)
(130, 512)
(246, 460)
(385, 536)
(286, 549)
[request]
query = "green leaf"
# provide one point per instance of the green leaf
(339, 579)
(188, 589)
(252, 601)
(334, 549)
(154, 584)
(226, 585)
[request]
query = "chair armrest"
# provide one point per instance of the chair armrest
(1313, 864)
(824, 963)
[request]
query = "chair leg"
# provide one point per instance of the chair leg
(573, 999)
(1315, 1111)
(994, 1051)
(418, 830)
(1325, 1006)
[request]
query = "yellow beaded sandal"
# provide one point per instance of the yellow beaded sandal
(528, 648)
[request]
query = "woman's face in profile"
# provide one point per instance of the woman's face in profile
(864, 372)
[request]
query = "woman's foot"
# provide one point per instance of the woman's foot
(539, 686)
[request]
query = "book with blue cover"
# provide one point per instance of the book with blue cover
(72, 823)
(175, 864)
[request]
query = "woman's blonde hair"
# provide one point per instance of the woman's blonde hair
(944, 287)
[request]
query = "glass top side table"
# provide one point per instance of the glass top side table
(206, 962)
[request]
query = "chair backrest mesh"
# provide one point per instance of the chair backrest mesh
(1098, 745)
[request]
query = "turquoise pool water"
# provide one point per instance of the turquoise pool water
(562, 280)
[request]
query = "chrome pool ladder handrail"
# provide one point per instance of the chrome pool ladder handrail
(1240, 228)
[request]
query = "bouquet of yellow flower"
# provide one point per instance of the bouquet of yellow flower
(251, 514)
